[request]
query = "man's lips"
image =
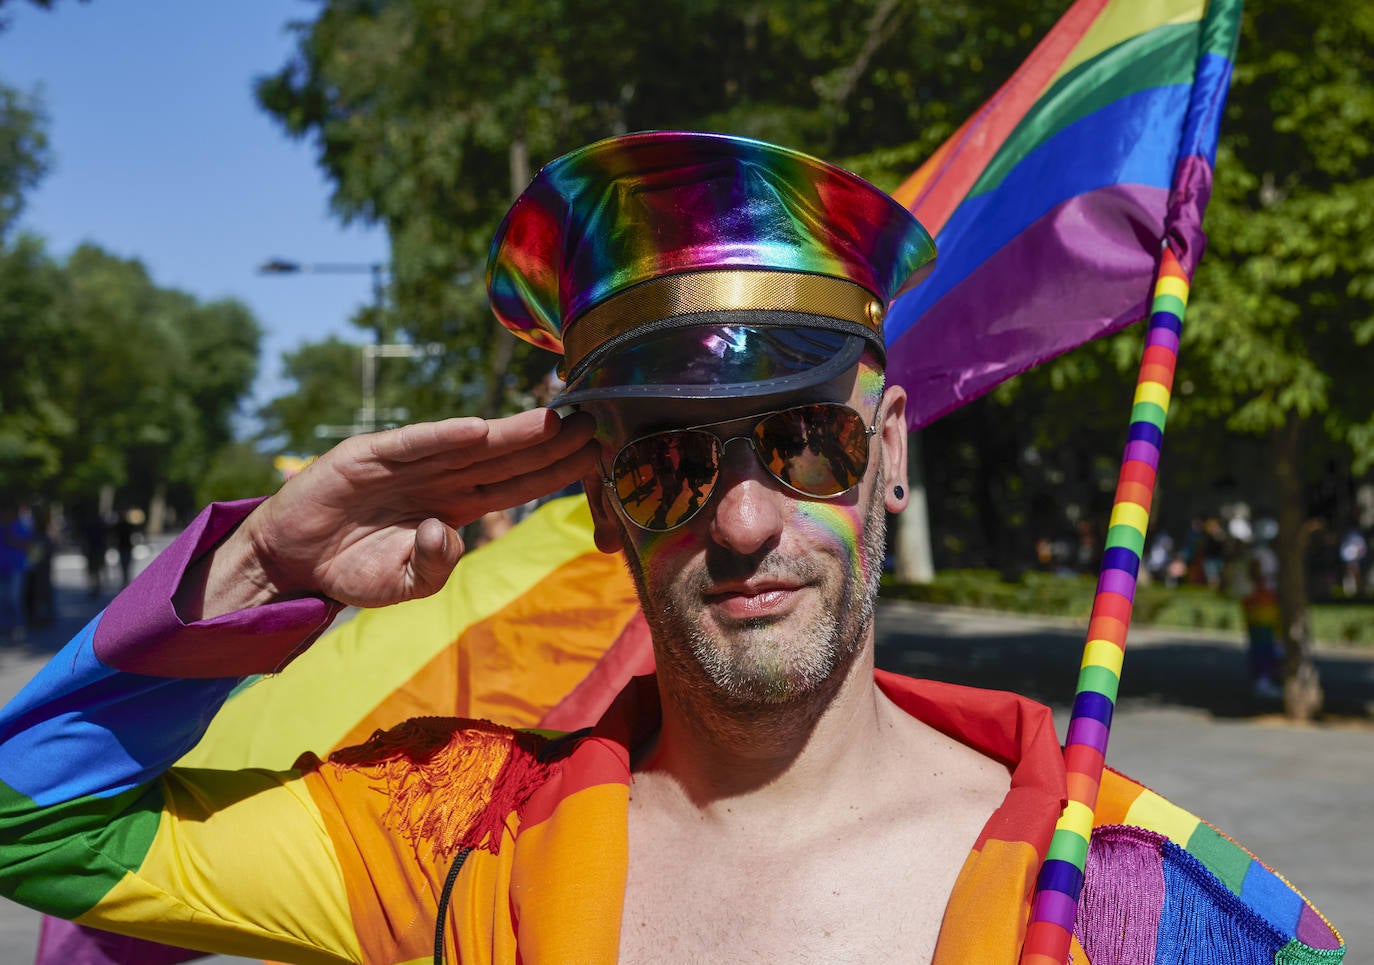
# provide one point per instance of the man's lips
(752, 600)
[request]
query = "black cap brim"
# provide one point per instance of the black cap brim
(718, 355)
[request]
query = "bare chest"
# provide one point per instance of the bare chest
(874, 889)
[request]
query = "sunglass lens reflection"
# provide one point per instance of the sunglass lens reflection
(664, 479)
(819, 449)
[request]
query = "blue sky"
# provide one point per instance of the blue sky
(161, 154)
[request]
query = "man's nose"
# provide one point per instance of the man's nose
(750, 505)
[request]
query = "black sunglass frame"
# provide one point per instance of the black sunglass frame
(870, 430)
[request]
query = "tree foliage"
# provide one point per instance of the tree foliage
(113, 381)
(326, 374)
(34, 422)
(24, 155)
(429, 116)
(1273, 405)
(1287, 291)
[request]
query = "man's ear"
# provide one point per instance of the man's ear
(893, 430)
(606, 528)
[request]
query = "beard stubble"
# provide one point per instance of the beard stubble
(762, 662)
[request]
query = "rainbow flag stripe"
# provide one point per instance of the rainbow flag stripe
(324, 831)
(1049, 205)
(480, 648)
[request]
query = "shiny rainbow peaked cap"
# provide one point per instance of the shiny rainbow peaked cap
(685, 265)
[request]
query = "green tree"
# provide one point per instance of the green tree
(34, 422)
(429, 116)
(111, 382)
(24, 155)
(327, 392)
(1283, 323)
(1272, 391)
(146, 381)
(238, 470)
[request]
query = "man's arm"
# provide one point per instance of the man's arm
(376, 520)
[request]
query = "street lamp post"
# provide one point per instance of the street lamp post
(377, 269)
(368, 417)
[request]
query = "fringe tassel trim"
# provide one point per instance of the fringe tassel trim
(452, 783)
(1146, 899)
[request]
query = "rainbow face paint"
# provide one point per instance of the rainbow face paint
(872, 382)
(839, 527)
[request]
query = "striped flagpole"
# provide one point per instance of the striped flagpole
(1050, 929)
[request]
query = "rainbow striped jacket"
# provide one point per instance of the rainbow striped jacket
(346, 859)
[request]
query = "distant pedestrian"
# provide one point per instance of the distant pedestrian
(39, 603)
(93, 546)
(1254, 584)
(1160, 553)
(16, 536)
(1213, 552)
(1353, 550)
(125, 528)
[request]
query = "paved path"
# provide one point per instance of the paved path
(1300, 797)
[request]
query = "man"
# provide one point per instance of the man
(765, 797)
(16, 539)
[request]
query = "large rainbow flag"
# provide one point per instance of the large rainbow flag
(539, 629)
(1050, 205)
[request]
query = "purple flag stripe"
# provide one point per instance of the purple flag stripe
(1091, 733)
(1164, 337)
(1056, 908)
(1115, 581)
(1142, 452)
(945, 362)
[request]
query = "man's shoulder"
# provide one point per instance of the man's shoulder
(960, 697)
(1000, 724)
(1159, 877)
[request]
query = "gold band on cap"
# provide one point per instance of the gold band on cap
(717, 291)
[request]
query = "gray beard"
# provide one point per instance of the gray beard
(764, 663)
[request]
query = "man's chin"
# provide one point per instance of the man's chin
(769, 663)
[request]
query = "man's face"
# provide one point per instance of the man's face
(765, 593)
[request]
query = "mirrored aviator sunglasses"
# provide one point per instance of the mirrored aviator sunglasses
(665, 478)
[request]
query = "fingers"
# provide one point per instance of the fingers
(456, 470)
(471, 439)
(515, 490)
(436, 551)
(573, 436)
